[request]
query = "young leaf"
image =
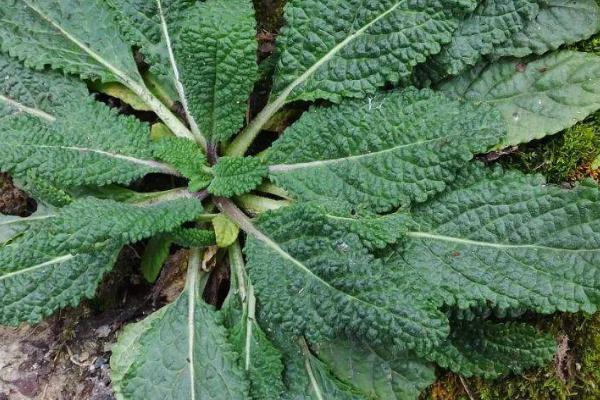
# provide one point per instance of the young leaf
(65, 257)
(226, 232)
(193, 237)
(384, 152)
(375, 371)
(155, 256)
(235, 176)
(216, 54)
(538, 98)
(315, 280)
(331, 49)
(507, 240)
(488, 349)
(187, 157)
(184, 347)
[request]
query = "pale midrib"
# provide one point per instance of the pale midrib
(147, 163)
(168, 118)
(247, 226)
(313, 164)
(32, 111)
(239, 145)
(178, 84)
(56, 260)
(452, 239)
(309, 370)
(25, 220)
(192, 278)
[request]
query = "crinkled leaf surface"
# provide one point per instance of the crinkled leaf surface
(558, 22)
(235, 176)
(506, 240)
(375, 371)
(488, 349)
(538, 98)
(331, 49)
(65, 257)
(261, 360)
(187, 157)
(382, 152)
(11, 225)
(77, 36)
(314, 279)
(38, 94)
(142, 25)
(51, 128)
(185, 348)
(493, 22)
(216, 56)
(307, 377)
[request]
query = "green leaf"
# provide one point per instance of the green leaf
(43, 191)
(79, 37)
(187, 157)
(155, 255)
(492, 23)
(316, 280)
(487, 349)
(557, 23)
(259, 358)
(235, 176)
(65, 257)
(506, 240)
(127, 349)
(375, 371)
(216, 54)
(331, 49)
(93, 145)
(307, 377)
(53, 130)
(184, 347)
(38, 94)
(12, 226)
(538, 98)
(193, 237)
(375, 231)
(141, 24)
(384, 152)
(226, 231)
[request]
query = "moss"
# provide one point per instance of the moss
(575, 375)
(561, 157)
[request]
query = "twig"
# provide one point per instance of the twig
(469, 393)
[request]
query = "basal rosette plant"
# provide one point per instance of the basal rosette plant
(365, 245)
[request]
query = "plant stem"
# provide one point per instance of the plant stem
(240, 144)
(259, 204)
